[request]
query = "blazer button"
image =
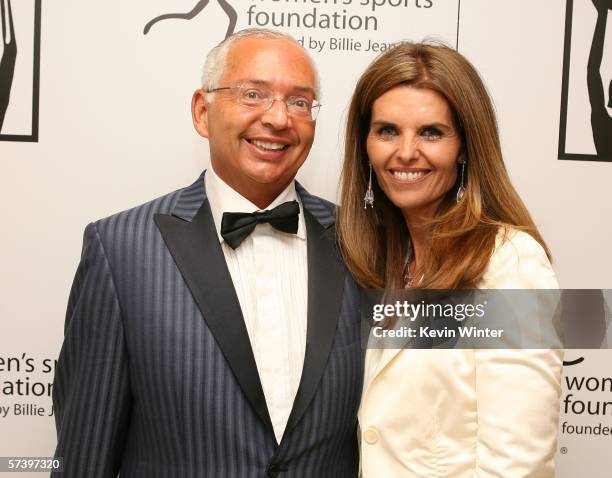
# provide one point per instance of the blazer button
(370, 436)
(274, 470)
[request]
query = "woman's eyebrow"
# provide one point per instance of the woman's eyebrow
(382, 122)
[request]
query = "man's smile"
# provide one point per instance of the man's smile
(268, 145)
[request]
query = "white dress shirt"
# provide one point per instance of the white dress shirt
(269, 270)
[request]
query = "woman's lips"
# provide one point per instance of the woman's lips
(409, 176)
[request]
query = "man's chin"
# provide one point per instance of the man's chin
(269, 174)
(271, 182)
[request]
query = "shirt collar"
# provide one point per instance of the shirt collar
(222, 198)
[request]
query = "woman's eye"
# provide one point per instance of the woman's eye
(431, 133)
(386, 131)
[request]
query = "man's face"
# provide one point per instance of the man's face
(256, 151)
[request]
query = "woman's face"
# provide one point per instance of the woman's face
(413, 145)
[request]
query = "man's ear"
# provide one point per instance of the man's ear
(199, 112)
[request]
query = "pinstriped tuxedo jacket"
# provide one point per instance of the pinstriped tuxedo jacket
(157, 378)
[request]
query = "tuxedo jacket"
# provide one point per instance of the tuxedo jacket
(467, 413)
(156, 376)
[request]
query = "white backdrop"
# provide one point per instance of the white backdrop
(115, 131)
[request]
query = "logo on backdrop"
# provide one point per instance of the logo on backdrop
(586, 407)
(329, 25)
(227, 8)
(19, 70)
(568, 363)
(9, 57)
(585, 131)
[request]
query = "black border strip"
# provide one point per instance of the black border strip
(36, 70)
(33, 137)
(458, 16)
(569, 8)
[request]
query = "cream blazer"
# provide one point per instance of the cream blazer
(466, 413)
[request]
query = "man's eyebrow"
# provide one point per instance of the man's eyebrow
(296, 88)
(304, 89)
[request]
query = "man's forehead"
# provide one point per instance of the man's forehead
(254, 44)
(270, 60)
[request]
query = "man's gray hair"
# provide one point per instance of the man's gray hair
(216, 59)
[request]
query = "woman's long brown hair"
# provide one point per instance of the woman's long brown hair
(461, 239)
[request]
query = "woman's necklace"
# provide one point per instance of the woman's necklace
(408, 278)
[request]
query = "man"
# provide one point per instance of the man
(195, 349)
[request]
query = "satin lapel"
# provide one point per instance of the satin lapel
(386, 357)
(197, 252)
(326, 277)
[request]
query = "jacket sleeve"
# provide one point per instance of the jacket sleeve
(91, 392)
(518, 391)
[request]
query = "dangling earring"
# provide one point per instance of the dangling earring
(461, 190)
(368, 199)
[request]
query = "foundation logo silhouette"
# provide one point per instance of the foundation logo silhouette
(19, 70)
(585, 131)
(568, 363)
(227, 8)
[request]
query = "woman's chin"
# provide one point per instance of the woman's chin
(421, 209)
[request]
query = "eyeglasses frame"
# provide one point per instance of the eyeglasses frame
(315, 107)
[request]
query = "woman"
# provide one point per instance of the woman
(441, 213)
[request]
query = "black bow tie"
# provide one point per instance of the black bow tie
(236, 226)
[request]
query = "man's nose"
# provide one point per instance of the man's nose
(277, 116)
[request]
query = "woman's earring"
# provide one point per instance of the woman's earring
(368, 199)
(461, 190)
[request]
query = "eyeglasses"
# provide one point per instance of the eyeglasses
(262, 98)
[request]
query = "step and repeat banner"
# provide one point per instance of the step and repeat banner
(95, 98)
